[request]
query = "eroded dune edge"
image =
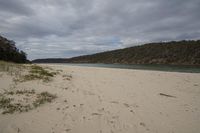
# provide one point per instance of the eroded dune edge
(61, 99)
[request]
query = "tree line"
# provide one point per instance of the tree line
(9, 52)
(173, 53)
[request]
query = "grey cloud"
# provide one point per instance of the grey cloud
(15, 7)
(68, 28)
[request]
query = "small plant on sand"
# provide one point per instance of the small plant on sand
(20, 92)
(4, 102)
(31, 100)
(7, 106)
(25, 92)
(67, 77)
(38, 73)
(41, 71)
(12, 69)
(42, 98)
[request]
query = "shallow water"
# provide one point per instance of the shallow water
(169, 68)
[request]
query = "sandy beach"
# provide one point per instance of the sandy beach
(106, 100)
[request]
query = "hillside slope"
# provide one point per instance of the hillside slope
(181, 53)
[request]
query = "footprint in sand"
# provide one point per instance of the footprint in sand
(144, 125)
(67, 130)
(101, 110)
(136, 106)
(13, 128)
(115, 102)
(132, 111)
(100, 99)
(130, 105)
(66, 88)
(196, 85)
(96, 114)
(126, 105)
(115, 117)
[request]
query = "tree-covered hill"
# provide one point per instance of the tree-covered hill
(9, 52)
(175, 52)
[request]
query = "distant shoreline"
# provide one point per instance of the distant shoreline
(171, 53)
(151, 67)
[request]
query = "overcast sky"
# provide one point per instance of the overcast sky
(66, 28)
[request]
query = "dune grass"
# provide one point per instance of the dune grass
(43, 97)
(38, 73)
(9, 104)
(67, 77)
(12, 69)
(23, 73)
(9, 107)
(12, 100)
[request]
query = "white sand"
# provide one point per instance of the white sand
(104, 100)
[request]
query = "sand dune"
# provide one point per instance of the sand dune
(105, 100)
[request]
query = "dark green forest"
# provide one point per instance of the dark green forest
(173, 53)
(9, 52)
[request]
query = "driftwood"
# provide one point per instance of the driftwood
(162, 94)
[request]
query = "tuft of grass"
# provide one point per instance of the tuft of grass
(38, 73)
(67, 77)
(4, 102)
(11, 68)
(20, 92)
(9, 105)
(43, 97)
(5, 66)
(41, 71)
(10, 108)
(30, 77)
(24, 73)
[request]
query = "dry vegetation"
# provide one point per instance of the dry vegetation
(23, 100)
(23, 73)
(15, 100)
(38, 73)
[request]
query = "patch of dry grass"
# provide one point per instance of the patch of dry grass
(23, 73)
(43, 97)
(38, 73)
(29, 100)
(12, 69)
(13, 100)
(67, 77)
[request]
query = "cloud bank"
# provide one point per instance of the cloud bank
(66, 28)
